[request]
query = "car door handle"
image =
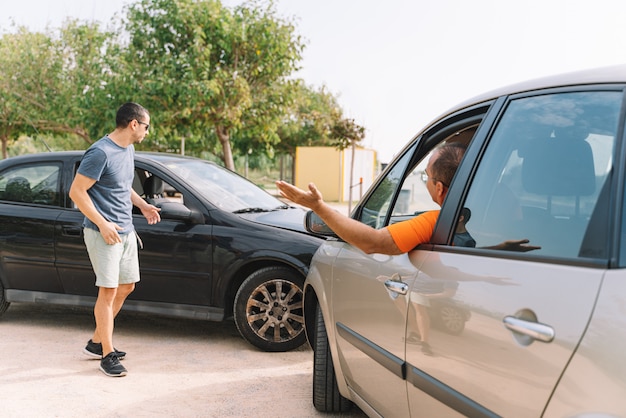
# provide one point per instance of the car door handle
(534, 330)
(397, 287)
(72, 231)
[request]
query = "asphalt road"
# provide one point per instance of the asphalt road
(176, 368)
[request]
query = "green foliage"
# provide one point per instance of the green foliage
(53, 84)
(44, 143)
(309, 120)
(204, 67)
(216, 80)
(347, 132)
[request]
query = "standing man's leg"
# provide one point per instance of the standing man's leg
(120, 296)
(103, 312)
(117, 270)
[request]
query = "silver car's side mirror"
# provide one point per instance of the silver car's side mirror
(316, 225)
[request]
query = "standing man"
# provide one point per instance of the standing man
(102, 190)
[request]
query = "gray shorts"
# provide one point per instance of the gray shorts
(113, 264)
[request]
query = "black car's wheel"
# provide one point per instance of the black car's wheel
(268, 309)
(4, 305)
(326, 396)
(452, 320)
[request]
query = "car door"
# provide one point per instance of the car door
(371, 292)
(29, 207)
(176, 260)
(369, 311)
(543, 177)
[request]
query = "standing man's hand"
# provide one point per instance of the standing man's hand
(108, 230)
(151, 213)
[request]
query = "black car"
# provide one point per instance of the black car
(224, 247)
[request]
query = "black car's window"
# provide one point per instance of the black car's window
(37, 184)
(542, 175)
(151, 187)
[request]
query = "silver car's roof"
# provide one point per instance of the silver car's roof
(604, 75)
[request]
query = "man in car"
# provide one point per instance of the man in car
(102, 190)
(397, 238)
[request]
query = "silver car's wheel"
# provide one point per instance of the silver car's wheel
(326, 396)
(268, 309)
(4, 305)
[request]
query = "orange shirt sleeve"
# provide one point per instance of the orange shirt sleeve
(412, 232)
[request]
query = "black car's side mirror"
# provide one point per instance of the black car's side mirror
(176, 211)
(316, 225)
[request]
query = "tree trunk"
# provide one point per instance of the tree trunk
(224, 137)
(5, 140)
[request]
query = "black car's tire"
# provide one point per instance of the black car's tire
(4, 305)
(326, 396)
(268, 309)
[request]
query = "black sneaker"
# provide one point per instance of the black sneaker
(94, 350)
(111, 366)
(426, 349)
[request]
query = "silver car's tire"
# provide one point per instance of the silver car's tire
(4, 305)
(268, 309)
(326, 396)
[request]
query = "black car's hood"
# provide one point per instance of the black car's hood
(289, 218)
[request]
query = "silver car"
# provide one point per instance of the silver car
(452, 330)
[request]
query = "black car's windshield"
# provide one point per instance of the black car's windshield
(222, 187)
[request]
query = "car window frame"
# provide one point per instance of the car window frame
(444, 230)
(420, 146)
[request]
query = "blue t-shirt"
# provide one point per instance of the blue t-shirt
(113, 168)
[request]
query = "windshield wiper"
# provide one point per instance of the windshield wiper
(251, 210)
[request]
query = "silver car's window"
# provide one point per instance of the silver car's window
(413, 197)
(378, 204)
(542, 175)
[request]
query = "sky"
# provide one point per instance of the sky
(396, 65)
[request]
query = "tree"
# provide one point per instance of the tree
(204, 67)
(309, 120)
(53, 84)
(26, 63)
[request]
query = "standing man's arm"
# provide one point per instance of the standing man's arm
(150, 212)
(78, 193)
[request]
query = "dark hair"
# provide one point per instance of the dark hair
(466, 214)
(448, 159)
(128, 112)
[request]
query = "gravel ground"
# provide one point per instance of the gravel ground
(176, 368)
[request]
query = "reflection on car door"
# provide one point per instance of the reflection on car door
(72, 260)
(543, 177)
(370, 316)
(492, 364)
(29, 207)
(175, 262)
